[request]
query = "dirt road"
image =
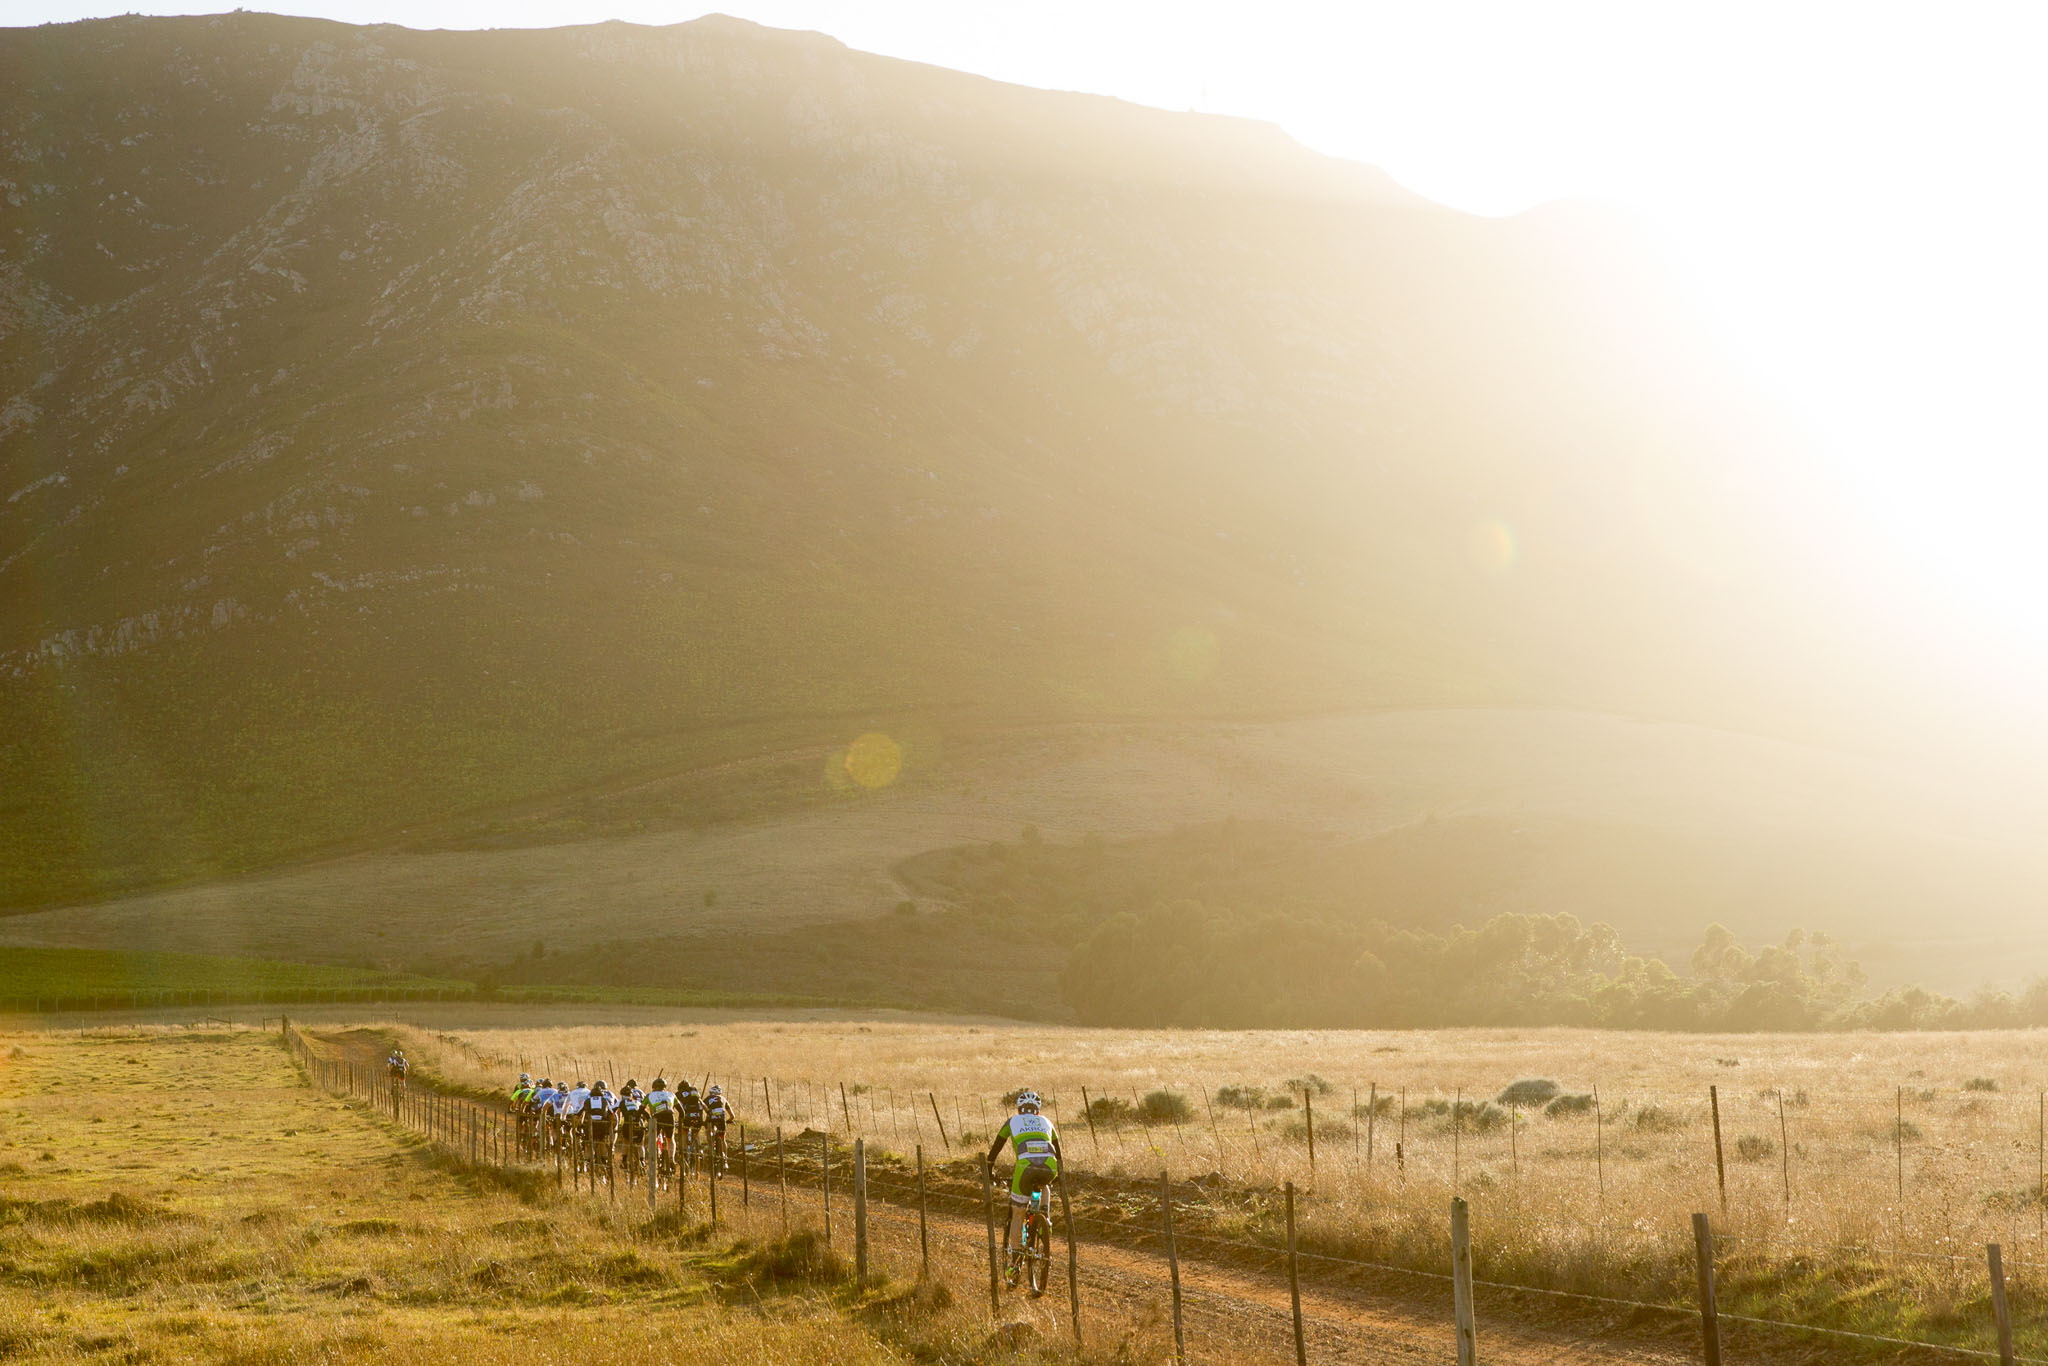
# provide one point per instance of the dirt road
(1231, 1311)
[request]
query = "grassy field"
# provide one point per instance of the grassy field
(1863, 1204)
(171, 1196)
(1709, 812)
(78, 977)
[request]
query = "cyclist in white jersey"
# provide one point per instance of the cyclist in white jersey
(1035, 1146)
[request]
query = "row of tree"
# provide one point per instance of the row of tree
(1183, 963)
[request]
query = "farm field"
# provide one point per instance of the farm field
(172, 1195)
(771, 843)
(1893, 1160)
(82, 978)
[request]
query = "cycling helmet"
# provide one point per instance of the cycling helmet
(630, 1083)
(714, 1091)
(525, 1080)
(1027, 1102)
(660, 1085)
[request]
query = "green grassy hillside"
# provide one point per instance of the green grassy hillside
(406, 425)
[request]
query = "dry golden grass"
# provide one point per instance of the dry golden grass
(1593, 1200)
(168, 1196)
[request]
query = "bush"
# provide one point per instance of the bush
(1383, 1105)
(1754, 1148)
(1479, 1116)
(1311, 1083)
(1569, 1105)
(1165, 1107)
(1981, 1084)
(1658, 1120)
(1529, 1093)
(1245, 1097)
(1110, 1110)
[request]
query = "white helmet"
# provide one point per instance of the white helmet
(714, 1091)
(1027, 1102)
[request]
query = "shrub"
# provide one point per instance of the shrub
(1658, 1120)
(1569, 1105)
(1245, 1097)
(1981, 1084)
(1165, 1107)
(1529, 1092)
(1383, 1105)
(1754, 1148)
(1311, 1083)
(1109, 1110)
(1479, 1116)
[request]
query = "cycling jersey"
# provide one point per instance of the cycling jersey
(573, 1102)
(717, 1112)
(1035, 1149)
(543, 1098)
(692, 1106)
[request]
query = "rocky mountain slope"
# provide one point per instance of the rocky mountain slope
(398, 424)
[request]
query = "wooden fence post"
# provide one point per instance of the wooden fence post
(1088, 1109)
(1180, 1345)
(746, 1186)
(1214, 1132)
(988, 1211)
(845, 1111)
(924, 1237)
(1294, 1283)
(711, 1182)
(1372, 1110)
(1457, 1140)
(825, 1165)
(647, 1163)
(1461, 1282)
(782, 1181)
(1785, 1151)
(1999, 1309)
(860, 1212)
(933, 1097)
(1308, 1111)
(1710, 1325)
(1073, 1265)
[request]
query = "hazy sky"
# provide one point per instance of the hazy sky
(1854, 192)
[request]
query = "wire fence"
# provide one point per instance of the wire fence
(1224, 1283)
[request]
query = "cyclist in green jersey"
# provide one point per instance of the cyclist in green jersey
(1035, 1165)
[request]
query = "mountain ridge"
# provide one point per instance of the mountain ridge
(399, 424)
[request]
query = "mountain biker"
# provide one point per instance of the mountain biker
(632, 1114)
(521, 1092)
(597, 1114)
(1035, 1165)
(661, 1104)
(717, 1114)
(396, 1063)
(570, 1104)
(690, 1106)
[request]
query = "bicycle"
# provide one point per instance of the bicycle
(632, 1141)
(1033, 1253)
(664, 1158)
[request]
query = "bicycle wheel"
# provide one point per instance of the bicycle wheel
(1037, 1253)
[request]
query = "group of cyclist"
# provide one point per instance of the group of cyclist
(686, 1125)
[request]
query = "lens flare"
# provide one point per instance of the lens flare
(874, 760)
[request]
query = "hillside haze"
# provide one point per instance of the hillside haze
(404, 427)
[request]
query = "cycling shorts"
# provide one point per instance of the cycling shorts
(1030, 1174)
